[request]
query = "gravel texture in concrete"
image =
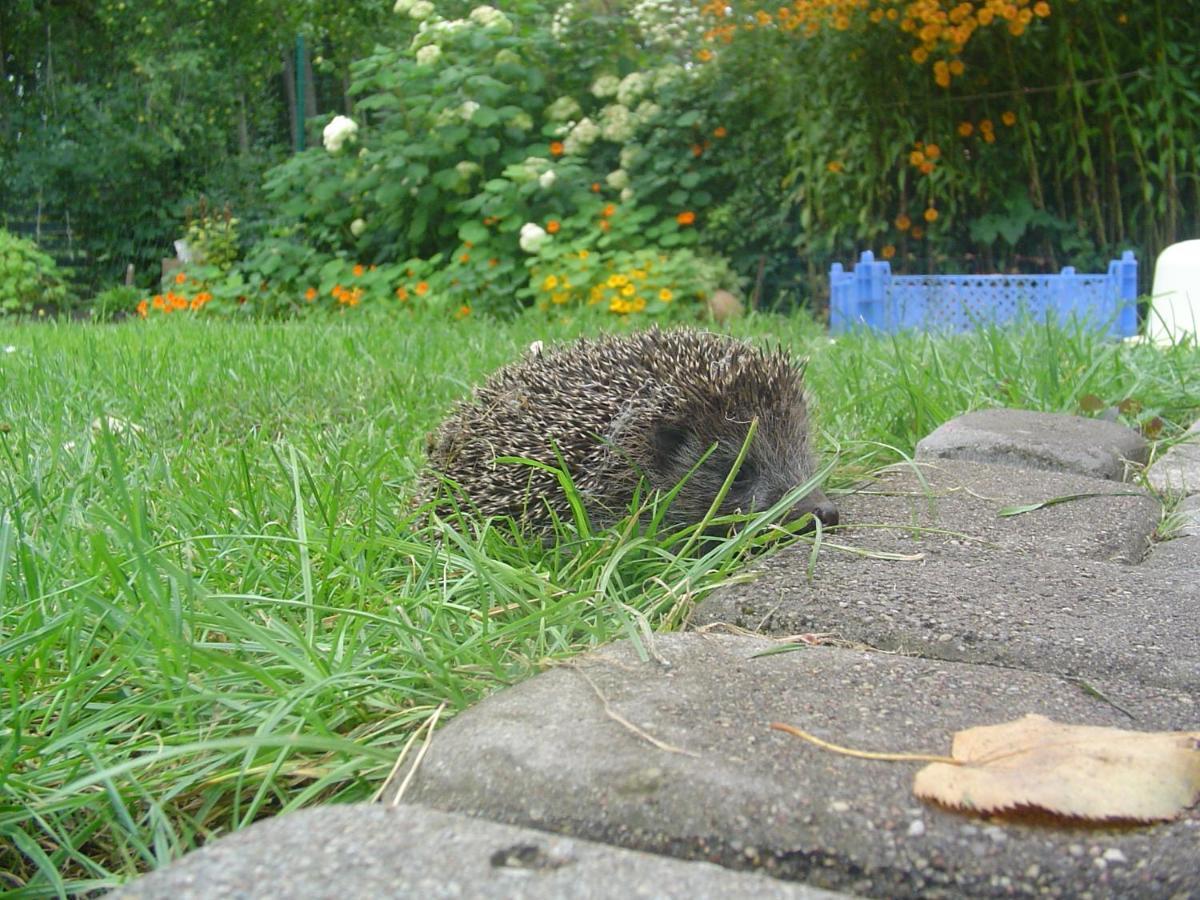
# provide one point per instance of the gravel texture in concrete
(674, 754)
(339, 852)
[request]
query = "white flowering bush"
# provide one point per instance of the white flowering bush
(468, 159)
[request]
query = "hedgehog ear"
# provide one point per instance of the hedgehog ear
(666, 441)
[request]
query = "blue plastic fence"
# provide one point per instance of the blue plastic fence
(872, 296)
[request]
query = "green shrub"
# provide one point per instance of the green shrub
(29, 278)
(115, 301)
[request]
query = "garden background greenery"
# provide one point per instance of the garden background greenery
(730, 144)
(219, 599)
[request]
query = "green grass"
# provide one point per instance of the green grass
(215, 605)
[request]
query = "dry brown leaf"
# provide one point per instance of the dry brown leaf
(1078, 771)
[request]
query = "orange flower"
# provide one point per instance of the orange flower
(337, 290)
(180, 278)
(925, 168)
(311, 294)
(358, 270)
(931, 214)
(903, 222)
(608, 210)
(595, 187)
(422, 288)
(465, 258)
(697, 150)
(965, 129)
(916, 158)
(141, 308)
(605, 225)
(402, 293)
(463, 312)
(835, 166)
(686, 218)
(159, 302)
(1009, 118)
(985, 125)
(888, 251)
(719, 131)
(556, 148)
(932, 151)
(489, 221)
(1041, 9)
(704, 55)
(918, 232)
(552, 226)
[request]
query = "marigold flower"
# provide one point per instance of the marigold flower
(925, 168)
(311, 294)
(918, 232)
(463, 312)
(359, 268)
(550, 283)
(180, 278)
(835, 166)
(720, 131)
(605, 225)
(930, 214)
(1041, 9)
(609, 209)
(919, 55)
(422, 288)
(1008, 117)
(989, 137)
(965, 129)
(903, 222)
(985, 125)
(556, 148)
(704, 54)
(697, 150)
(957, 67)
(493, 262)
(916, 158)
(402, 293)
(142, 307)
(932, 151)
(159, 301)
(553, 226)
(686, 218)
(595, 187)
(888, 251)
(665, 295)
(465, 258)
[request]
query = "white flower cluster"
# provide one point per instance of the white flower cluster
(646, 111)
(420, 10)
(428, 55)
(618, 179)
(582, 135)
(667, 23)
(547, 179)
(561, 21)
(507, 57)
(490, 17)
(532, 237)
(606, 86)
(339, 131)
(617, 123)
(521, 121)
(563, 109)
(467, 168)
(632, 87)
(357, 227)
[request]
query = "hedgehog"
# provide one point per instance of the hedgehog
(621, 409)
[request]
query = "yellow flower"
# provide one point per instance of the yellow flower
(903, 222)
(1008, 117)
(628, 291)
(931, 214)
(665, 295)
(835, 166)
(888, 251)
(965, 129)
(919, 55)
(1041, 9)
(550, 283)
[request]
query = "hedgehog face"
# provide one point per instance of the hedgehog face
(777, 460)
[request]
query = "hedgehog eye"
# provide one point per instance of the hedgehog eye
(668, 439)
(745, 475)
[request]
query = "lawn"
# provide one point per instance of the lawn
(217, 603)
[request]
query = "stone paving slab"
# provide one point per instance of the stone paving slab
(339, 852)
(964, 499)
(1089, 619)
(1037, 440)
(550, 754)
(1178, 470)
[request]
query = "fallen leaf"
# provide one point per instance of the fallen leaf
(1076, 771)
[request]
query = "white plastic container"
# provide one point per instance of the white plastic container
(1175, 298)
